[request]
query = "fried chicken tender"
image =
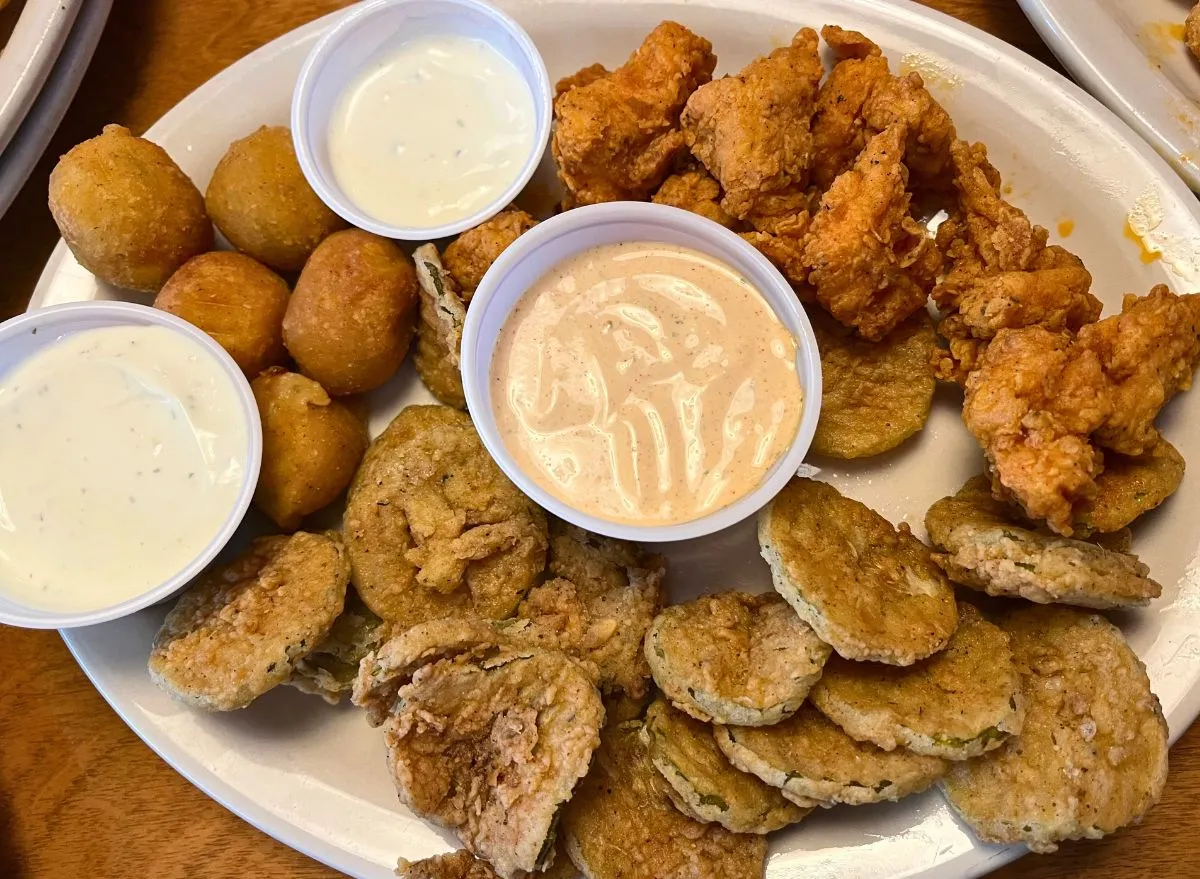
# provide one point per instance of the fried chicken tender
(695, 190)
(617, 136)
(872, 265)
(784, 247)
(751, 131)
(434, 528)
(471, 254)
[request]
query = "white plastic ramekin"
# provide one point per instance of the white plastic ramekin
(549, 243)
(34, 330)
(362, 36)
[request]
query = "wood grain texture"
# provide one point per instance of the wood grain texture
(80, 795)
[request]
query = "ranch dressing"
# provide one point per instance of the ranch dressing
(645, 383)
(122, 452)
(433, 132)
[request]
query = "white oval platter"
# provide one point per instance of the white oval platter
(314, 777)
(28, 57)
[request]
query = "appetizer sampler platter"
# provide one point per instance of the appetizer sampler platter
(313, 776)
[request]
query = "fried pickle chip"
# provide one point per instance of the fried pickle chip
(734, 657)
(812, 760)
(491, 746)
(956, 704)
(240, 628)
(456, 865)
(622, 825)
(704, 785)
(875, 395)
(983, 549)
(434, 528)
(1128, 487)
(868, 589)
(439, 331)
(1092, 755)
(330, 670)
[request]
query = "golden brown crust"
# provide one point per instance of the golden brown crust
(695, 190)
(439, 329)
(471, 254)
(1129, 487)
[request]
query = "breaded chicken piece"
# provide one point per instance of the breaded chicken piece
(618, 135)
(1032, 404)
(439, 330)
(695, 190)
(241, 627)
(583, 76)
(784, 247)
(872, 265)
(471, 254)
(1149, 353)
(1092, 755)
(905, 100)
(456, 865)
(751, 130)
(1191, 31)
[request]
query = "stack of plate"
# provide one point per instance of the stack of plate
(41, 65)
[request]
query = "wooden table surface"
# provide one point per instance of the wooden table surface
(80, 795)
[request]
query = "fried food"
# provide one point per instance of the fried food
(868, 589)
(1092, 756)
(583, 76)
(434, 528)
(695, 190)
(784, 247)
(956, 704)
(1191, 31)
(621, 824)
(875, 395)
(872, 264)
(734, 657)
(1129, 487)
(260, 201)
(237, 301)
(439, 329)
(751, 130)
(617, 136)
(129, 214)
(492, 748)
(813, 762)
(311, 446)
(983, 549)
(704, 785)
(353, 312)
(240, 628)
(330, 670)
(456, 865)
(471, 254)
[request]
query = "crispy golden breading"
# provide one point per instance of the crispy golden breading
(1092, 756)
(618, 135)
(330, 670)
(732, 657)
(872, 264)
(1191, 31)
(874, 395)
(956, 704)
(695, 190)
(751, 130)
(492, 747)
(456, 865)
(471, 254)
(622, 825)
(984, 549)
(904, 100)
(439, 330)
(239, 629)
(1129, 487)
(813, 761)
(785, 249)
(704, 785)
(434, 528)
(583, 76)
(868, 589)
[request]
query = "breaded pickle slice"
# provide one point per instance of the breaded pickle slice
(734, 657)
(330, 670)
(956, 704)
(240, 628)
(983, 549)
(875, 395)
(1129, 487)
(622, 825)
(439, 328)
(704, 784)
(812, 760)
(1092, 755)
(868, 589)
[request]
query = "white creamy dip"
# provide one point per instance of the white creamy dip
(433, 132)
(122, 452)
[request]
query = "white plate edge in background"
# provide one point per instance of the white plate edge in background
(28, 57)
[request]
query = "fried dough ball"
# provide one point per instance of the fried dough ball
(311, 446)
(260, 201)
(129, 214)
(353, 312)
(240, 628)
(237, 301)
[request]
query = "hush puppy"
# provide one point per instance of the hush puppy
(260, 201)
(237, 301)
(128, 213)
(353, 312)
(311, 446)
